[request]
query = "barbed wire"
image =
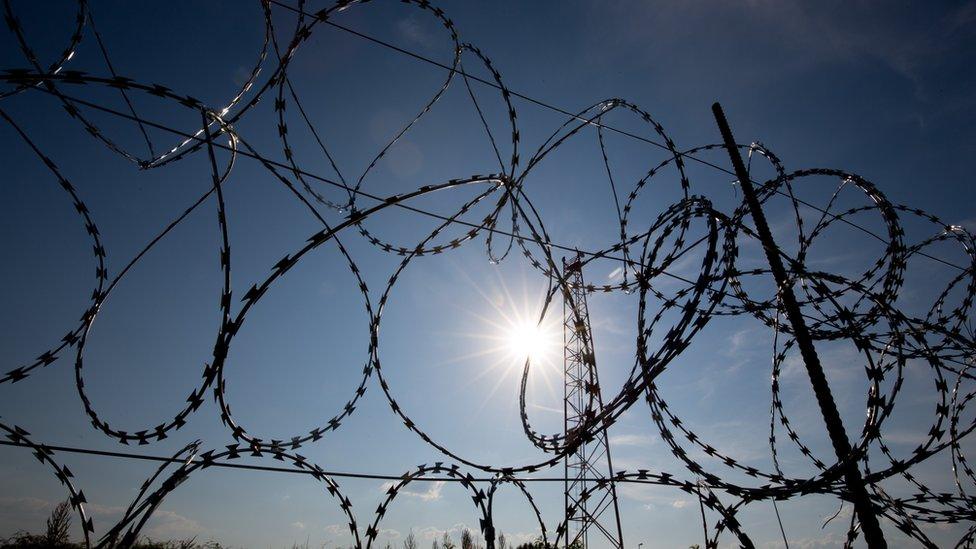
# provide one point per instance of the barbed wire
(861, 308)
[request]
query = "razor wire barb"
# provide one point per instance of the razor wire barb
(862, 309)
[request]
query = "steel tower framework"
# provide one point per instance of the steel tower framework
(590, 465)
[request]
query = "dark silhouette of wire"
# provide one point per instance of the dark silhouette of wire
(550, 106)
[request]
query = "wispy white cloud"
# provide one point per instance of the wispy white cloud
(544, 408)
(429, 533)
(969, 223)
(411, 30)
(433, 492)
(739, 340)
(638, 492)
(632, 440)
(32, 510)
(517, 538)
(167, 524)
(30, 504)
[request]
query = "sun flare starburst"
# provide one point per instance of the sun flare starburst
(512, 334)
(527, 340)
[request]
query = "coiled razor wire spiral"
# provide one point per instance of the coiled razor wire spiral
(862, 310)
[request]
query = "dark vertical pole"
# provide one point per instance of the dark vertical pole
(566, 483)
(835, 427)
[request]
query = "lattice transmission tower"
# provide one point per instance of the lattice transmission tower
(594, 518)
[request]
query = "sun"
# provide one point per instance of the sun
(526, 340)
(513, 338)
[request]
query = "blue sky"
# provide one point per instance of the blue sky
(884, 91)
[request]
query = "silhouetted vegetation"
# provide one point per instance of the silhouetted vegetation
(57, 535)
(410, 542)
(537, 543)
